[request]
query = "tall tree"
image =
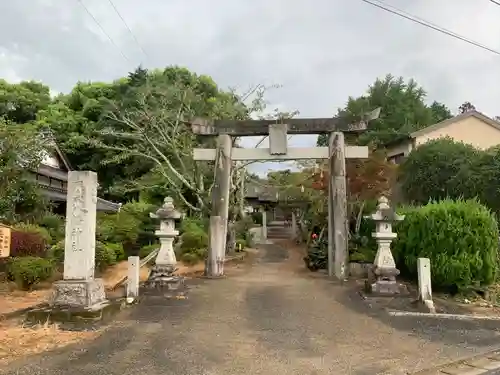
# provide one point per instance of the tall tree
(104, 112)
(22, 150)
(466, 107)
(403, 110)
(21, 102)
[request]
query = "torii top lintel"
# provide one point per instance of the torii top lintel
(208, 127)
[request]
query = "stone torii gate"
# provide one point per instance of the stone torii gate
(278, 149)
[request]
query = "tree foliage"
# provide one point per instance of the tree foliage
(439, 169)
(367, 179)
(132, 131)
(466, 107)
(403, 110)
(22, 150)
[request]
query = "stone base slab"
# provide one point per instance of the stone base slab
(74, 318)
(169, 286)
(83, 294)
(386, 288)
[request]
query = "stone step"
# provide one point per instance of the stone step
(278, 232)
(278, 229)
(278, 237)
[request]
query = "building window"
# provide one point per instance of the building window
(397, 159)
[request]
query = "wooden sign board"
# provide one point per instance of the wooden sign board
(4, 242)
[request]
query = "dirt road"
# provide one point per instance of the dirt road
(266, 317)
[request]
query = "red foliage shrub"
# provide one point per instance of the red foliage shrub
(27, 244)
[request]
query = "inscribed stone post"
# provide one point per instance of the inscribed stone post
(79, 245)
(133, 277)
(264, 225)
(78, 287)
(424, 279)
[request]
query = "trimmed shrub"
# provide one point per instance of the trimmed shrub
(27, 244)
(362, 246)
(121, 227)
(459, 237)
(194, 240)
(32, 228)
(140, 210)
(118, 250)
(190, 258)
(56, 252)
(243, 229)
(54, 225)
(190, 225)
(28, 271)
(437, 170)
(104, 256)
(257, 218)
(148, 249)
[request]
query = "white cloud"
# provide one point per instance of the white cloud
(321, 51)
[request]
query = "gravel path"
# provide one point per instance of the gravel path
(267, 317)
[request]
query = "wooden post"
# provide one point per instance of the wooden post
(337, 209)
(220, 206)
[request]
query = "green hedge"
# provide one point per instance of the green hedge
(106, 254)
(54, 224)
(459, 237)
(148, 249)
(193, 242)
(439, 169)
(28, 271)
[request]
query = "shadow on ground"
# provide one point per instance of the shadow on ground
(477, 333)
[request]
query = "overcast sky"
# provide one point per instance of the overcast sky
(321, 51)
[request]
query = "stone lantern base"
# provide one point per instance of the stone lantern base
(383, 282)
(162, 279)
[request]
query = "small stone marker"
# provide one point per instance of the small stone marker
(264, 226)
(79, 288)
(133, 277)
(424, 283)
(5, 233)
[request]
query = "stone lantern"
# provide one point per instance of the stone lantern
(385, 270)
(162, 274)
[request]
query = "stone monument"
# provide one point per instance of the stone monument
(385, 270)
(162, 275)
(424, 284)
(133, 279)
(79, 288)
